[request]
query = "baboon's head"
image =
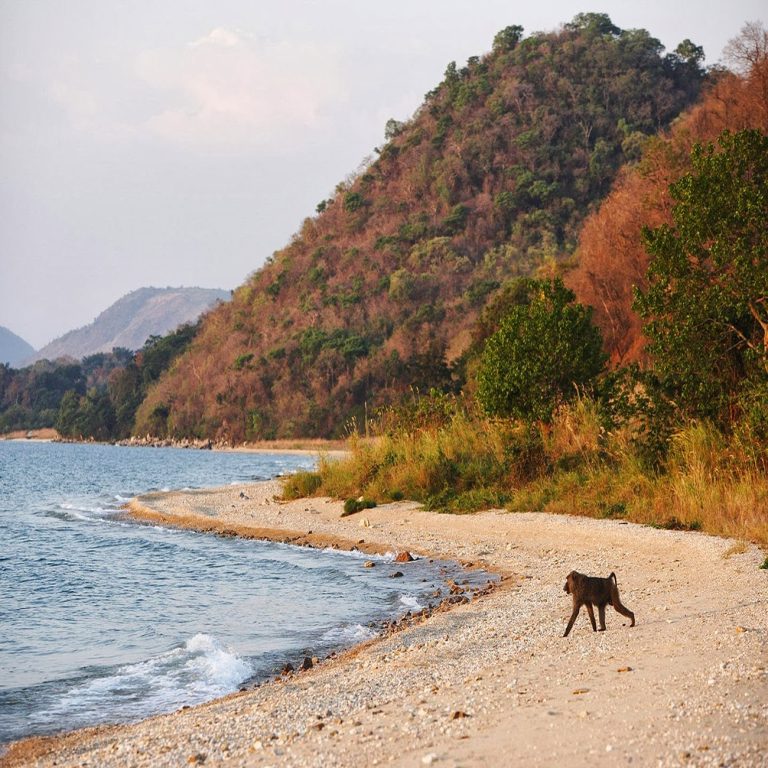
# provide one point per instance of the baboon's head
(569, 582)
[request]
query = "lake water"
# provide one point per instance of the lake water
(106, 620)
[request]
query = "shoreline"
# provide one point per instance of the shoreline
(298, 446)
(171, 509)
(490, 677)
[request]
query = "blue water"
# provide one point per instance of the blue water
(106, 620)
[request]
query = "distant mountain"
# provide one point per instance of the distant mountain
(130, 321)
(13, 349)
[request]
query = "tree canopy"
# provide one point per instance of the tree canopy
(542, 352)
(706, 306)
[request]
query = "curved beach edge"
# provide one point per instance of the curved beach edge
(493, 677)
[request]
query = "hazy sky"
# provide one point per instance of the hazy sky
(181, 142)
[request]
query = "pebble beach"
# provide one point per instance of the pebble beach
(489, 682)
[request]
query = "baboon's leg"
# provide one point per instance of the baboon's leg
(572, 619)
(591, 616)
(616, 603)
(601, 614)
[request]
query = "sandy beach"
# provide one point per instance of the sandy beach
(492, 682)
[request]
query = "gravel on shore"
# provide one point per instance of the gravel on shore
(492, 682)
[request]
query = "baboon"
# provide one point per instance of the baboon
(594, 590)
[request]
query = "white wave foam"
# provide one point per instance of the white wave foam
(393, 555)
(411, 603)
(87, 514)
(81, 508)
(200, 670)
(357, 554)
(214, 666)
(348, 635)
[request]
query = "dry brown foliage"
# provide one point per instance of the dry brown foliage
(378, 293)
(611, 259)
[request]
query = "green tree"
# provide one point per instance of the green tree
(541, 352)
(690, 53)
(393, 128)
(67, 418)
(706, 306)
(593, 24)
(96, 417)
(158, 352)
(508, 38)
(126, 391)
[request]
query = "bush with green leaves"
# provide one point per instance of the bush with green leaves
(706, 306)
(352, 506)
(541, 354)
(300, 485)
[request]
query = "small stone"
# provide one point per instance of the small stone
(458, 715)
(429, 759)
(196, 759)
(369, 564)
(741, 629)
(364, 523)
(306, 664)
(287, 668)
(404, 557)
(396, 575)
(624, 669)
(579, 691)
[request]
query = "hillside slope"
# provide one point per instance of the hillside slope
(612, 260)
(131, 320)
(13, 349)
(491, 179)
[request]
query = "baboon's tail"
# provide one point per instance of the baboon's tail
(613, 576)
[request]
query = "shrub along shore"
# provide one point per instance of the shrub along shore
(444, 453)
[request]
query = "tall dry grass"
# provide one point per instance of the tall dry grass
(458, 461)
(713, 481)
(461, 465)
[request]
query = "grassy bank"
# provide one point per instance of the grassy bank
(447, 456)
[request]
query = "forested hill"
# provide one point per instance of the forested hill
(612, 260)
(380, 291)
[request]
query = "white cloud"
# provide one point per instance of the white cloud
(80, 103)
(222, 36)
(226, 90)
(229, 87)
